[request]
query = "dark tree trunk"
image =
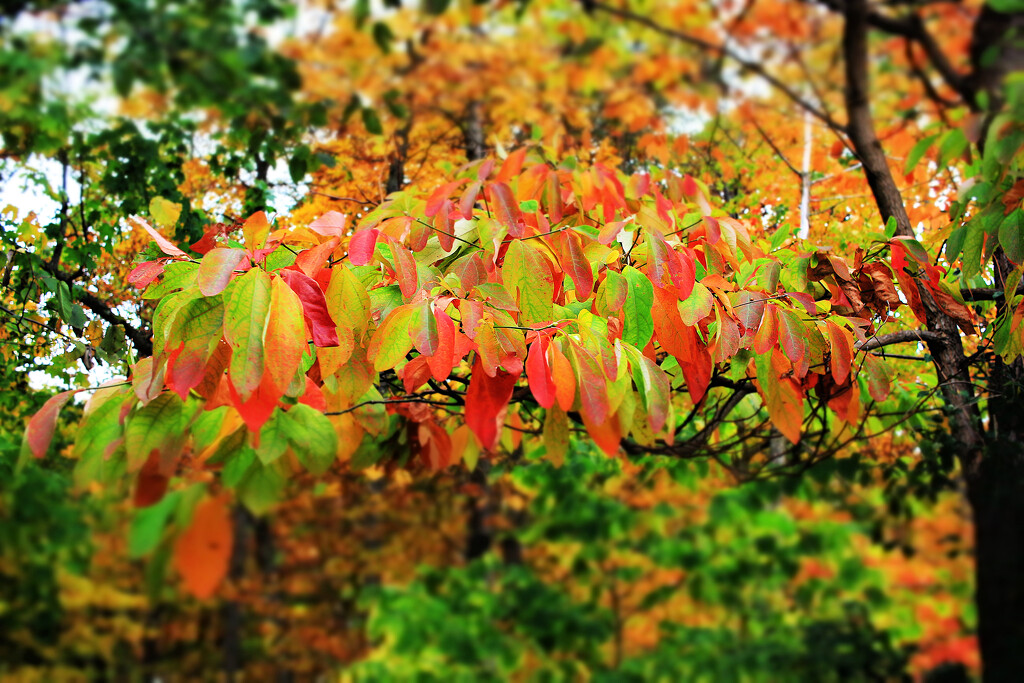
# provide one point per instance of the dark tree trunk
(992, 463)
(996, 494)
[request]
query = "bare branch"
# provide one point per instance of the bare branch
(900, 337)
(753, 67)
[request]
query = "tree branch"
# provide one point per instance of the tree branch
(913, 29)
(879, 341)
(754, 67)
(140, 340)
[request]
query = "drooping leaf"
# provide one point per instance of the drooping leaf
(39, 432)
(578, 266)
(542, 385)
(506, 208)
(592, 385)
(216, 269)
(311, 436)
(556, 435)
(285, 335)
(255, 230)
(347, 300)
(314, 307)
(527, 276)
(246, 306)
(638, 325)
(202, 552)
(391, 341)
(840, 342)
(157, 426)
(486, 401)
(165, 245)
(781, 395)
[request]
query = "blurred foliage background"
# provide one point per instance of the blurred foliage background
(598, 569)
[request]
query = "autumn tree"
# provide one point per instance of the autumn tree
(550, 259)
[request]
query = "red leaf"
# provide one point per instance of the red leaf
(712, 229)
(313, 396)
(469, 199)
(314, 307)
(151, 484)
(542, 386)
(257, 410)
(443, 358)
(577, 266)
(439, 196)
(405, 270)
(361, 246)
(216, 269)
(505, 208)
(330, 224)
(486, 401)
(203, 551)
(415, 373)
(144, 273)
(690, 188)
(553, 198)
(39, 432)
(443, 227)
(592, 385)
(841, 343)
(312, 261)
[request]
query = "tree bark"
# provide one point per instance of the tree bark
(993, 464)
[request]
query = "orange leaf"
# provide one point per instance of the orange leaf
(285, 338)
(565, 381)
(203, 551)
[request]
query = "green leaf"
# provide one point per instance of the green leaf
(261, 487)
(383, 36)
(246, 306)
(100, 427)
(529, 205)
(971, 260)
(148, 525)
(955, 243)
(638, 326)
(1006, 6)
(154, 427)
(953, 145)
(1011, 236)
(371, 121)
(916, 153)
(273, 441)
(177, 275)
(653, 385)
(311, 436)
(525, 273)
(391, 341)
(696, 306)
(237, 466)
